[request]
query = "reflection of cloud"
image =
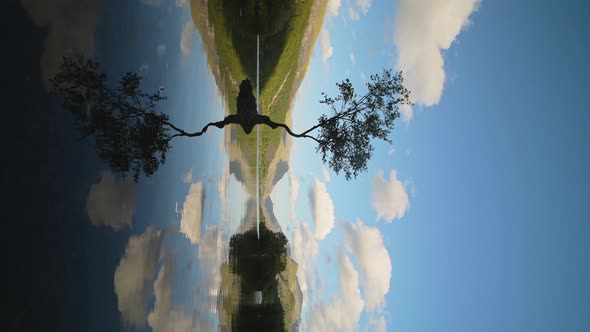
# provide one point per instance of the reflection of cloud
(153, 3)
(135, 274)
(325, 45)
(422, 29)
(110, 203)
(390, 199)
(187, 38)
(211, 257)
(161, 50)
(188, 177)
(192, 213)
(71, 26)
(322, 209)
(366, 244)
(165, 317)
(343, 312)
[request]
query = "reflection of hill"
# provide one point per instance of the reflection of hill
(259, 265)
(285, 54)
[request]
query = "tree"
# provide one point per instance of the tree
(133, 137)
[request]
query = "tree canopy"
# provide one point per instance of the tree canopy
(134, 137)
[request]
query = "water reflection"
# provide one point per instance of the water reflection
(159, 252)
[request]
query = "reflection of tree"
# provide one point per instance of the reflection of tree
(258, 261)
(133, 137)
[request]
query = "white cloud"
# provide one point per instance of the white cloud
(70, 26)
(293, 193)
(364, 5)
(187, 38)
(366, 244)
(135, 275)
(353, 14)
(110, 203)
(422, 29)
(305, 252)
(325, 45)
(188, 177)
(407, 112)
(161, 50)
(377, 324)
(192, 213)
(165, 317)
(333, 7)
(322, 209)
(343, 312)
(326, 174)
(352, 58)
(390, 199)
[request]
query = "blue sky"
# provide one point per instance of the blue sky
(475, 219)
(494, 235)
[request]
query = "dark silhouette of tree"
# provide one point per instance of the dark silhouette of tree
(258, 260)
(133, 137)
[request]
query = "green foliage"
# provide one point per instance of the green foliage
(128, 132)
(345, 137)
(258, 260)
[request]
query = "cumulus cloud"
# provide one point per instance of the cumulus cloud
(192, 213)
(353, 14)
(333, 7)
(187, 38)
(326, 174)
(135, 275)
(364, 5)
(325, 45)
(423, 28)
(366, 244)
(70, 25)
(293, 193)
(342, 313)
(110, 203)
(407, 112)
(305, 251)
(161, 50)
(390, 198)
(322, 209)
(377, 324)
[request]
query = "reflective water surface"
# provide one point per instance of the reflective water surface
(175, 248)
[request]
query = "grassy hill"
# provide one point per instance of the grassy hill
(285, 53)
(286, 43)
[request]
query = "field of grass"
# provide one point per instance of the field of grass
(279, 62)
